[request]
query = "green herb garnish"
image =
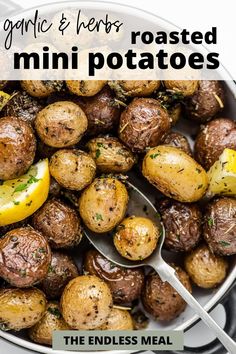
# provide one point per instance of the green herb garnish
(210, 222)
(224, 243)
(153, 156)
(98, 217)
(98, 153)
(54, 311)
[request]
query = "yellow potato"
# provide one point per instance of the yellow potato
(175, 173)
(52, 320)
(204, 268)
(20, 308)
(136, 238)
(134, 88)
(86, 302)
(118, 320)
(184, 87)
(103, 204)
(85, 87)
(110, 155)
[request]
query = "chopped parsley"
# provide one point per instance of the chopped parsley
(20, 187)
(224, 243)
(153, 156)
(100, 145)
(210, 222)
(97, 153)
(15, 202)
(98, 217)
(54, 311)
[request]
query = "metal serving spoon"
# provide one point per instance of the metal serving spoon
(104, 244)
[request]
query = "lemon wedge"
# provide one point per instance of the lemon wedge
(4, 98)
(21, 197)
(222, 175)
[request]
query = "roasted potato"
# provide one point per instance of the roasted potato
(219, 227)
(206, 102)
(110, 155)
(212, 139)
(175, 173)
(143, 124)
(182, 224)
(162, 301)
(103, 204)
(178, 140)
(61, 124)
(133, 88)
(24, 257)
(52, 320)
(183, 87)
(40, 89)
(17, 146)
(21, 308)
(136, 238)
(86, 302)
(85, 87)
(125, 284)
(60, 271)
(102, 111)
(72, 168)
(118, 320)
(23, 106)
(59, 223)
(204, 268)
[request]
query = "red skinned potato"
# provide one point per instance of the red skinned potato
(17, 146)
(125, 284)
(162, 301)
(212, 139)
(143, 124)
(206, 102)
(24, 257)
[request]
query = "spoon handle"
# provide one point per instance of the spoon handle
(167, 273)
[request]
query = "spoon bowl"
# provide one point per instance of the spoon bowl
(140, 205)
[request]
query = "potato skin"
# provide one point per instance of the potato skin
(61, 124)
(184, 87)
(134, 88)
(60, 271)
(204, 268)
(118, 320)
(21, 308)
(86, 302)
(178, 140)
(125, 284)
(162, 301)
(59, 223)
(206, 101)
(17, 146)
(182, 224)
(101, 111)
(175, 173)
(24, 257)
(23, 106)
(85, 87)
(52, 320)
(103, 204)
(110, 155)
(41, 89)
(136, 238)
(212, 139)
(219, 227)
(143, 124)
(72, 169)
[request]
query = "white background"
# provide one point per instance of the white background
(193, 15)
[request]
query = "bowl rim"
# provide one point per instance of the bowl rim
(102, 5)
